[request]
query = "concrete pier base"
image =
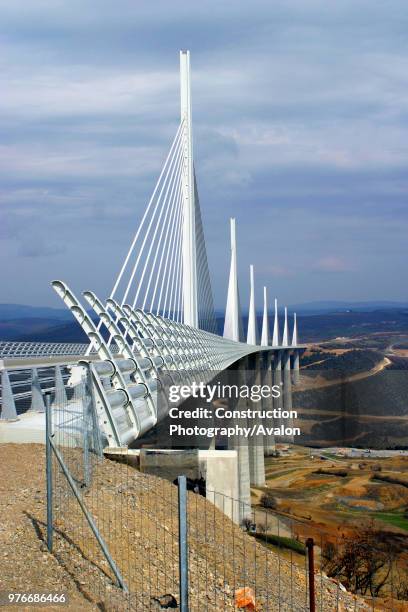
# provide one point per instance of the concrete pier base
(267, 404)
(256, 464)
(296, 368)
(241, 446)
(218, 468)
(287, 391)
(256, 443)
(277, 380)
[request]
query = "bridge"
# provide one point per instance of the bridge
(158, 326)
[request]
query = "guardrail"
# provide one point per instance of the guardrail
(26, 350)
(16, 350)
(27, 369)
(22, 387)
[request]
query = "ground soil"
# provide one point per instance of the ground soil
(137, 516)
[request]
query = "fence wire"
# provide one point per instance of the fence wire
(259, 562)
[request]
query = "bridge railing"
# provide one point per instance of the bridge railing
(17, 350)
(29, 369)
(22, 387)
(33, 350)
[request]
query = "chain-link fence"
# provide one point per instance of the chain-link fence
(127, 536)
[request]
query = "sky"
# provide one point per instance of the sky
(300, 111)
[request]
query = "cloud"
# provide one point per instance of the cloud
(40, 249)
(332, 264)
(277, 271)
(300, 132)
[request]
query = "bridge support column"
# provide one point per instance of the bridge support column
(37, 400)
(256, 443)
(267, 404)
(8, 407)
(287, 392)
(60, 398)
(240, 445)
(296, 367)
(277, 380)
(189, 219)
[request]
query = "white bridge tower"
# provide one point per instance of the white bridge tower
(190, 305)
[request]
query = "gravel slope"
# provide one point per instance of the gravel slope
(137, 516)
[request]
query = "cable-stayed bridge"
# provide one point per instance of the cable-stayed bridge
(158, 326)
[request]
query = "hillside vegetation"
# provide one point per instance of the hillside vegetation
(334, 499)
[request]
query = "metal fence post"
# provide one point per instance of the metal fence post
(310, 557)
(96, 432)
(183, 545)
(89, 518)
(85, 435)
(48, 456)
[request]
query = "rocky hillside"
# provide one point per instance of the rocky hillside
(137, 515)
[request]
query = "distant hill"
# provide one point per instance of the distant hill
(20, 323)
(12, 312)
(312, 326)
(68, 332)
(325, 326)
(17, 329)
(343, 306)
(329, 306)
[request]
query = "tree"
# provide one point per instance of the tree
(329, 552)
(268, 501)
(401, 583)
(363, 562)
(246, 523)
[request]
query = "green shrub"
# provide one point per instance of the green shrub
(282, 542)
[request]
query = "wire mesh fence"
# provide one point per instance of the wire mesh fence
(274, 562)
(126, 506)
(116, 531)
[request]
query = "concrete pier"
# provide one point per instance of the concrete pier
(240, 444)
(296, 367)
(268, 404)
(256, 443)
(287, 390)
(277, 380)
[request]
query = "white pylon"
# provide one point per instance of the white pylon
(37, 400)
(60, 397)
(285, 337)
(8, 407)
(265, 336)
(295, 334)
(296, 354)
(233, 328)
(252, 333)
(275, 339)
(190, 306)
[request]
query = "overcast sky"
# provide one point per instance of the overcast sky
(300, 131)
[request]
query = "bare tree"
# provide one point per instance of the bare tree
(401, 583)
(363, 562)
(268, 501)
